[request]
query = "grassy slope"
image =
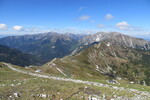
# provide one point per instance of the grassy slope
(130, 64)
(32, 86)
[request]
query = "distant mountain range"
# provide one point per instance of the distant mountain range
(54, 45)
(116, 37)
(47, 45)
(119, 38)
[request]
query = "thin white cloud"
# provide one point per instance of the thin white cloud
(124, 23)
(18, 28)
(3, 26)
(100, 26)
(108, 17)
(125, 26)
(81, 8)
(84, 17)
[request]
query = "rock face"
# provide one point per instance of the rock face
(16, 94)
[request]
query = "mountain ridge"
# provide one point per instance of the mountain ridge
(104, 59)
(47, 46)
(17, 57)
(55, 45)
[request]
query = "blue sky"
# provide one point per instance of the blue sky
(130, 17)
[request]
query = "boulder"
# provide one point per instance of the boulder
(16, 94)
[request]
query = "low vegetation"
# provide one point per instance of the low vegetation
(33, 88)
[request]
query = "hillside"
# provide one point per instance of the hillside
(20, 84)
(104, 60)
(17, 57)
